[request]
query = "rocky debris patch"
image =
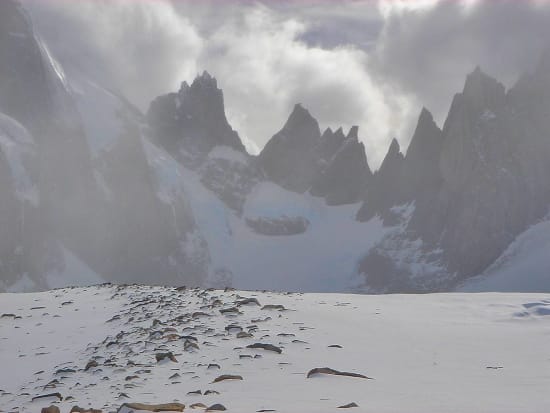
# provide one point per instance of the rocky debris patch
(281, 226)
(154, 328)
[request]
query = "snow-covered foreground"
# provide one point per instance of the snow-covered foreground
(426, 353)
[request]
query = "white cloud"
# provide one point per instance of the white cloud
(265, 68)
(353, 62)
(142, 48)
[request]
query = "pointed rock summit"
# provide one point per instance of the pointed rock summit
(331, 165)
(300, 123)
(193, 119)
(483, 91)
(421, 167)
(288, 158)
(345, 178)
(385, 187)
(353, 133)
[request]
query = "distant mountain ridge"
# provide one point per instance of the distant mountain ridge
(90, 185)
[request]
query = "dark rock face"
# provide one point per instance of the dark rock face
(10, 223)
(278, 226)
(193, 119)
(33, 94)
(331, 165)
(144, 232)
(475, 185)
(230, 180)
(345, 178)
(385, 188)
(191, 123)
(52, 194)
(288, 158)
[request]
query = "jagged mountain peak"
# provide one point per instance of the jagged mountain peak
(393, 159)
(300, 116)
(353, 133)
(426, 135)
(483, 90)
(425, 116)
(394, 148)
(193, 118)
(205, 80)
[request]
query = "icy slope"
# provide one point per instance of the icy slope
(425, 353)
(523, 266)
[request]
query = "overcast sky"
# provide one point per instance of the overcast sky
(369, 63)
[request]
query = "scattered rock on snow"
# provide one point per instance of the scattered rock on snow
(349, 405)
(268, 347)
(162, 356)
(216, 408)
(90, 364)
(167, 407)
(227, 377)
(246, 301)
(47, 396)
(51, 409)
(274, 307)
(230, 310)
(327, 370)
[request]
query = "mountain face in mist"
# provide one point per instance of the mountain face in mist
(93, 190)
(193, 119)
(331, 165)
(475, 185)
(66, 208)
(189, 124)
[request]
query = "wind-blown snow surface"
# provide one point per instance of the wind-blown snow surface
(425, 353)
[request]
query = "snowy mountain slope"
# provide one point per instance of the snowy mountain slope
(308, 261)
(524, 266)
(424, 353)
(149, 220)
(19, 149)
(235, 254)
